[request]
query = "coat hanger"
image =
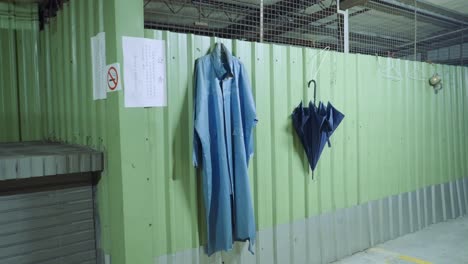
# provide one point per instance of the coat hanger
(390, 72)
(327, 48)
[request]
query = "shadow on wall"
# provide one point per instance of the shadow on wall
(181, 152)
(298, 148)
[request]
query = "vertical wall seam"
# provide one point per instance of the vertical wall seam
(290, 169)
(19, 112)
(358, 120)
(273, 151)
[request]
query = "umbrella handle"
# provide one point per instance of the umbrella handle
(315, 88)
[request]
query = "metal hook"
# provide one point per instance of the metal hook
(315, 88)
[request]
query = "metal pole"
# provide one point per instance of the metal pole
(346, 32)
(461, 50)
(415, 28)
(261, 20)
(345, 26)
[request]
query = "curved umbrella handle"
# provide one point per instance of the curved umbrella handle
(315, 88)
(328, 139)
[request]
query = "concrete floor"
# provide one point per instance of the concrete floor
(442, 243)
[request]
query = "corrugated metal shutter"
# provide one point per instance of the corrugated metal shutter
(53, 227)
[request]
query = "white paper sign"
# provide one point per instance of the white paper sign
(113, 78)
(145, 72)
(98, 58)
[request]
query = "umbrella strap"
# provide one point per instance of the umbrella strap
(328, 139)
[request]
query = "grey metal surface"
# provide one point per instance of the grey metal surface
(47, 227)
(443, 243)
(404, 213)
(313, 251)
(265, 246)
(341, 238)
(22, 160)
(420, 209)
(465, 187)
(282, 246)
(454, 199)
(413, 211)
(463, 196)
(299, 245)
(385, 219)
(374, 222)
(327, 237)
(394, 216)
(446, 204)
(351, 223)
(363, 238)
(428, 205)
(437, 211)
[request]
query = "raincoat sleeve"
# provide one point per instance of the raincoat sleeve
(249, 115)
(196, 109)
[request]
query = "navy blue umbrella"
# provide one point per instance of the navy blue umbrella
(315, 125)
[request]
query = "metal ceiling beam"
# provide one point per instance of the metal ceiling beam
(387, 42)
(304, 42)
(429, 7)
(440, 38)
(423, 15)
(299, 21)
(362, 11)
(461, 62)
(218, 5)
(270, 13)
(285, 7)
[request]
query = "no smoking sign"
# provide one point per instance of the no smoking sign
(113, 77)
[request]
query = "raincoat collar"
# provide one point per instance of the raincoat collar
(222, 61)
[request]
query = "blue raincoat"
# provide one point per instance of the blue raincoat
(223, 144)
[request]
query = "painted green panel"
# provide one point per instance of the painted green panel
(245, 54)
(263, 136)
(311, 61)
(397, 135)
(349, 69)
(178, 138)
(28, 84)
(9, 115)
(278, 117)
(69, 112)
(394, 137)
(297, 170)
(19, 79)
(339, 137)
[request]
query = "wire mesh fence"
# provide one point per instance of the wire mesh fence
(408, 29)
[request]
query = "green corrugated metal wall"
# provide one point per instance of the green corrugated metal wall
(18, 74)
(69, 112)
(397, 135)
(43, 82)
(9, 117)
(28, 83)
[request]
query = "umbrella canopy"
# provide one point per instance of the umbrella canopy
(314, 125)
